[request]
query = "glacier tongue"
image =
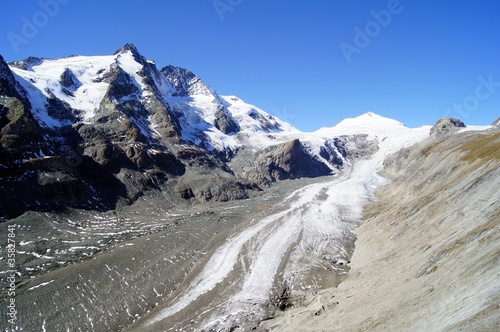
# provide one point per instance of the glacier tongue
(281, 249)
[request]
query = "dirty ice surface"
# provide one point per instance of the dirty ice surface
(305, 225)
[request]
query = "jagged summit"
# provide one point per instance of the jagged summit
(129, 47)
(28, 63)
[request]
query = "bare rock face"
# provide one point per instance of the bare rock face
(19, 131)
(61, 186)
(207, 178)
(286, 161)
(217, 187)
(224, 122)
(69, 81)
(446, 126)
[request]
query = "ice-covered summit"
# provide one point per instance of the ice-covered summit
(368, 123)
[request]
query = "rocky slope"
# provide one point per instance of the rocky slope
(427, 253)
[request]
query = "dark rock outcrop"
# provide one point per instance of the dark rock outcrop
(59, 186)
(225, 122)
(69, 82)
(286, 161)
(334, 152)
(20, 133)
(446, 126)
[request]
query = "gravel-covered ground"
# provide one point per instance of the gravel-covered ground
(87, 270)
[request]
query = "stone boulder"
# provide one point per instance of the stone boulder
(446, 126)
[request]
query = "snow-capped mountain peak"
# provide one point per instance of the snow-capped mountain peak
(84, 88)
(121, 115)
(130, 48)
(369, 120)
(45, 81)
(79, 82)
(368, 123)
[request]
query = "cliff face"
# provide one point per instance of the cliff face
(286, 161)
(427, 255)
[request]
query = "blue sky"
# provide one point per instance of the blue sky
(312, 63)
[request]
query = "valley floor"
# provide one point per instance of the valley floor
(106, 271)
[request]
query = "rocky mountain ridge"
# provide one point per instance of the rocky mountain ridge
(98, 132)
